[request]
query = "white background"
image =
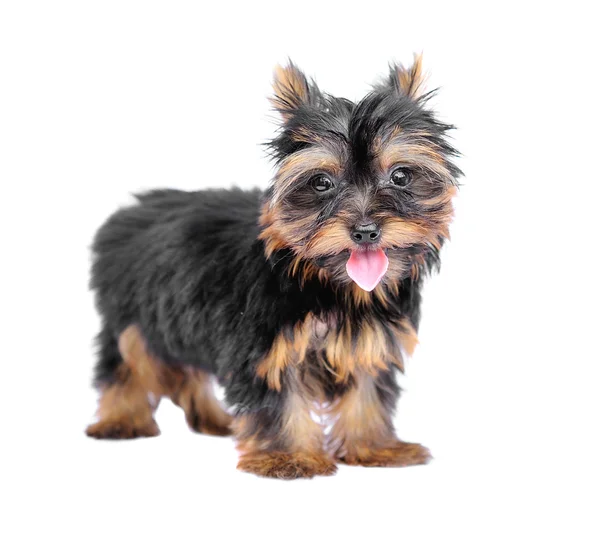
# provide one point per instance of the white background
(100, 99)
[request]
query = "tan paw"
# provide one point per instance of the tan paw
(212, 428)
(398, 454)
(122, 429)
(286, 465)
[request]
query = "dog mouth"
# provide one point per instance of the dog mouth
(367, 266)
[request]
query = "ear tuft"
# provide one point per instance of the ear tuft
(290, 89)
(408, 81)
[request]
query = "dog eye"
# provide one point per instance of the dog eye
(321, 183)
(401, 177)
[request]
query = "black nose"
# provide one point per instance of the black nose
(366, 233)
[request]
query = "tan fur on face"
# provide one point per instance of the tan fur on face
(311, 160)
(332, 238)
(399, 232)
(269, 221)
(309, 239)
(429, 228)
(416, 151)
(279, 231)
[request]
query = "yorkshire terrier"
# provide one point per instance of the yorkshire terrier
(302, 300)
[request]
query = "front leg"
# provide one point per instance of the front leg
(283, 440)
(363, 433)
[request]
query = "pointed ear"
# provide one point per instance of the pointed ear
(290, 89)
(408, 81)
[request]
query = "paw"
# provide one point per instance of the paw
(398, 454)
(212, 428)
(122, 429)
(286, 465)
(213, 424)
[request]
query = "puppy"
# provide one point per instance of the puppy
(301, 300)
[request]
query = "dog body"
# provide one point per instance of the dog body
(301, 300)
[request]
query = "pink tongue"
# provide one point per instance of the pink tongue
(367, 267)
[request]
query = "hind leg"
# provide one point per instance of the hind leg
(132, 382)
(203, 411)
(124, 411)
(131, 386)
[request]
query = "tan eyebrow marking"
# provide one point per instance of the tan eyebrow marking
(413, 149)
(299, 163)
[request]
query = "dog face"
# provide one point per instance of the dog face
(363, 192)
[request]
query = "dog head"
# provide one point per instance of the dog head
(363, 191)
